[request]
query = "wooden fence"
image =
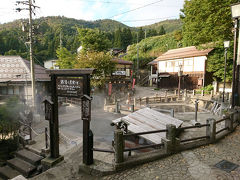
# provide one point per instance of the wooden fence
(171, 143)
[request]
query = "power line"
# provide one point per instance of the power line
(137, 20)
(135, 9)
(116, 2)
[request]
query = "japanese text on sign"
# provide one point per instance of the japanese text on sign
(69, 87)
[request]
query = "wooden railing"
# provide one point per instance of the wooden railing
(171, 143)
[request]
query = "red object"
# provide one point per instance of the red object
(133, 83)
(109, 89)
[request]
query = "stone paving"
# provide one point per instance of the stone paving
(192, 164)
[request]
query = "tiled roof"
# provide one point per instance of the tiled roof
(15, 69)
(186, 52)
(121, 61)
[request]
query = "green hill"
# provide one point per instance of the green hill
(169, 25)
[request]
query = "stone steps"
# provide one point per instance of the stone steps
(22, 166)
(29, 156)
(7, 172)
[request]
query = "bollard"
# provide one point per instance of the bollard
(202, 92)
(118, 146)
(211, 93)
(211, 129)
(196, 109)
(117, 107)
(132, 107)
(185, 92)
(194, 92)
(175, 92)
(147, 100)
(172, 112)
(229, 124)
(134, 101)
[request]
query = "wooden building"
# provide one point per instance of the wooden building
(121, 78)
(189, 60)
(15, 77)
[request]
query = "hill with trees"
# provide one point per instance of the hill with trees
(53, 32)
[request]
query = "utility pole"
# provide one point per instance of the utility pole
(30, 8)
(137, 59)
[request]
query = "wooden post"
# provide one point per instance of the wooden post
(87, 149)
(118, 146)
(46, 138)
(54, 131)
(171, 143)
(211, 129)
(229, 124)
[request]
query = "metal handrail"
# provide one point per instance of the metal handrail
(192, 127)
(143, 133)
(103, 150)
(226, 128)
(218, 121)
(196, 138)
(144, 147)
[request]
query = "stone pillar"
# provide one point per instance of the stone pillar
(118, 146)
(211, 129)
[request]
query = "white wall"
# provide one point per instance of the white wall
(193, 64)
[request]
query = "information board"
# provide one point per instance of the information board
(69, 87)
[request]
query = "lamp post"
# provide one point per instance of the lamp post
(180, 72)
(226, 46)
(235, 8)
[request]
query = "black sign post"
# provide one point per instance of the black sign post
(71, 83)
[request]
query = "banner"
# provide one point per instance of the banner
(133, 83)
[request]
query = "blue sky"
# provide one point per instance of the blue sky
(100, 9)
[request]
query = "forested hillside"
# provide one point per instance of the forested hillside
(51, 32)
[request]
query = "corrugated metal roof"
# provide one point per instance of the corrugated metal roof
(148, 119)
(186, 52)
(16, 69)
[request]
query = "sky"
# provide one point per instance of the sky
(130, 12)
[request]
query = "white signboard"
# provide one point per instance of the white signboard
(119, 73)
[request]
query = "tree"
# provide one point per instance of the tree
(206, 21)
(102, 62)
(66, 59)
(118, 42)
(93, 40)
(162, 31)
(141, 34)
(215, 63)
